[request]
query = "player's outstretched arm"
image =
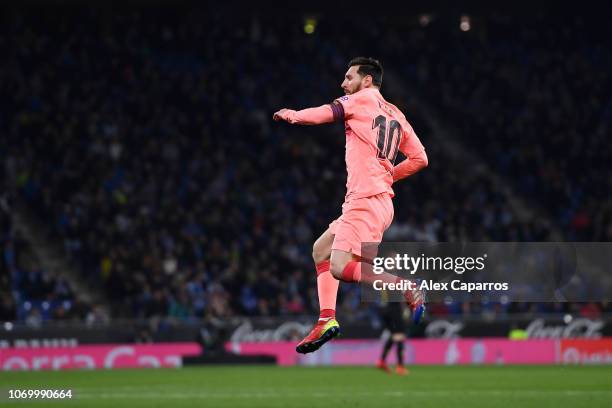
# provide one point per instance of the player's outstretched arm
(310, 116)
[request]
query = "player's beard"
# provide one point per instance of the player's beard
(358, 88)
(350, 91)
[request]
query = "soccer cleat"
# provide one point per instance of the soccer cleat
(416, 301)
(383, 366)
(323, 332)
(401, 370)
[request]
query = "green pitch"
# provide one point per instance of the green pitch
(344, 387)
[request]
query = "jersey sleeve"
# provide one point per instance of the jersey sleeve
(346, 106)
(410, 144)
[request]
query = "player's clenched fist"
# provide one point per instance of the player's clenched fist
(282, 114)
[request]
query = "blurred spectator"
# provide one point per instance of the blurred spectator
(97, 316)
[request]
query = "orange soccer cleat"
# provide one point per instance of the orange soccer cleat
(383, 366)
(401, 370)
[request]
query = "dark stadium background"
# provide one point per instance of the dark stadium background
(147, 196)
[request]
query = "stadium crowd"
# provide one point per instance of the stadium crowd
(144, 141)
(28, 292)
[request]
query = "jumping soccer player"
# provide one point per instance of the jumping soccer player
(375, 130)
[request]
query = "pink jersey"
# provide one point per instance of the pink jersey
(375, 131)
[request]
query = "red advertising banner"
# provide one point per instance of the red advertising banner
(586, 351)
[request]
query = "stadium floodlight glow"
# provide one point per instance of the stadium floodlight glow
(310, 25)
(424, 20)
(464, 23)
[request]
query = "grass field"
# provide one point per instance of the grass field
(346, 387)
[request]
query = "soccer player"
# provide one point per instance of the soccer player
(392, 314)
(375, 130)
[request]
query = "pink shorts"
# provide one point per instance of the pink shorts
(362, 220)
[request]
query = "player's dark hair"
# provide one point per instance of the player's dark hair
(369, 66)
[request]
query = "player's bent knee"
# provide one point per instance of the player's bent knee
(321, 249)
(336, 273)
(319, 254)
(336, 268)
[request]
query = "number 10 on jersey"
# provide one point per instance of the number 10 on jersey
(388, 140)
